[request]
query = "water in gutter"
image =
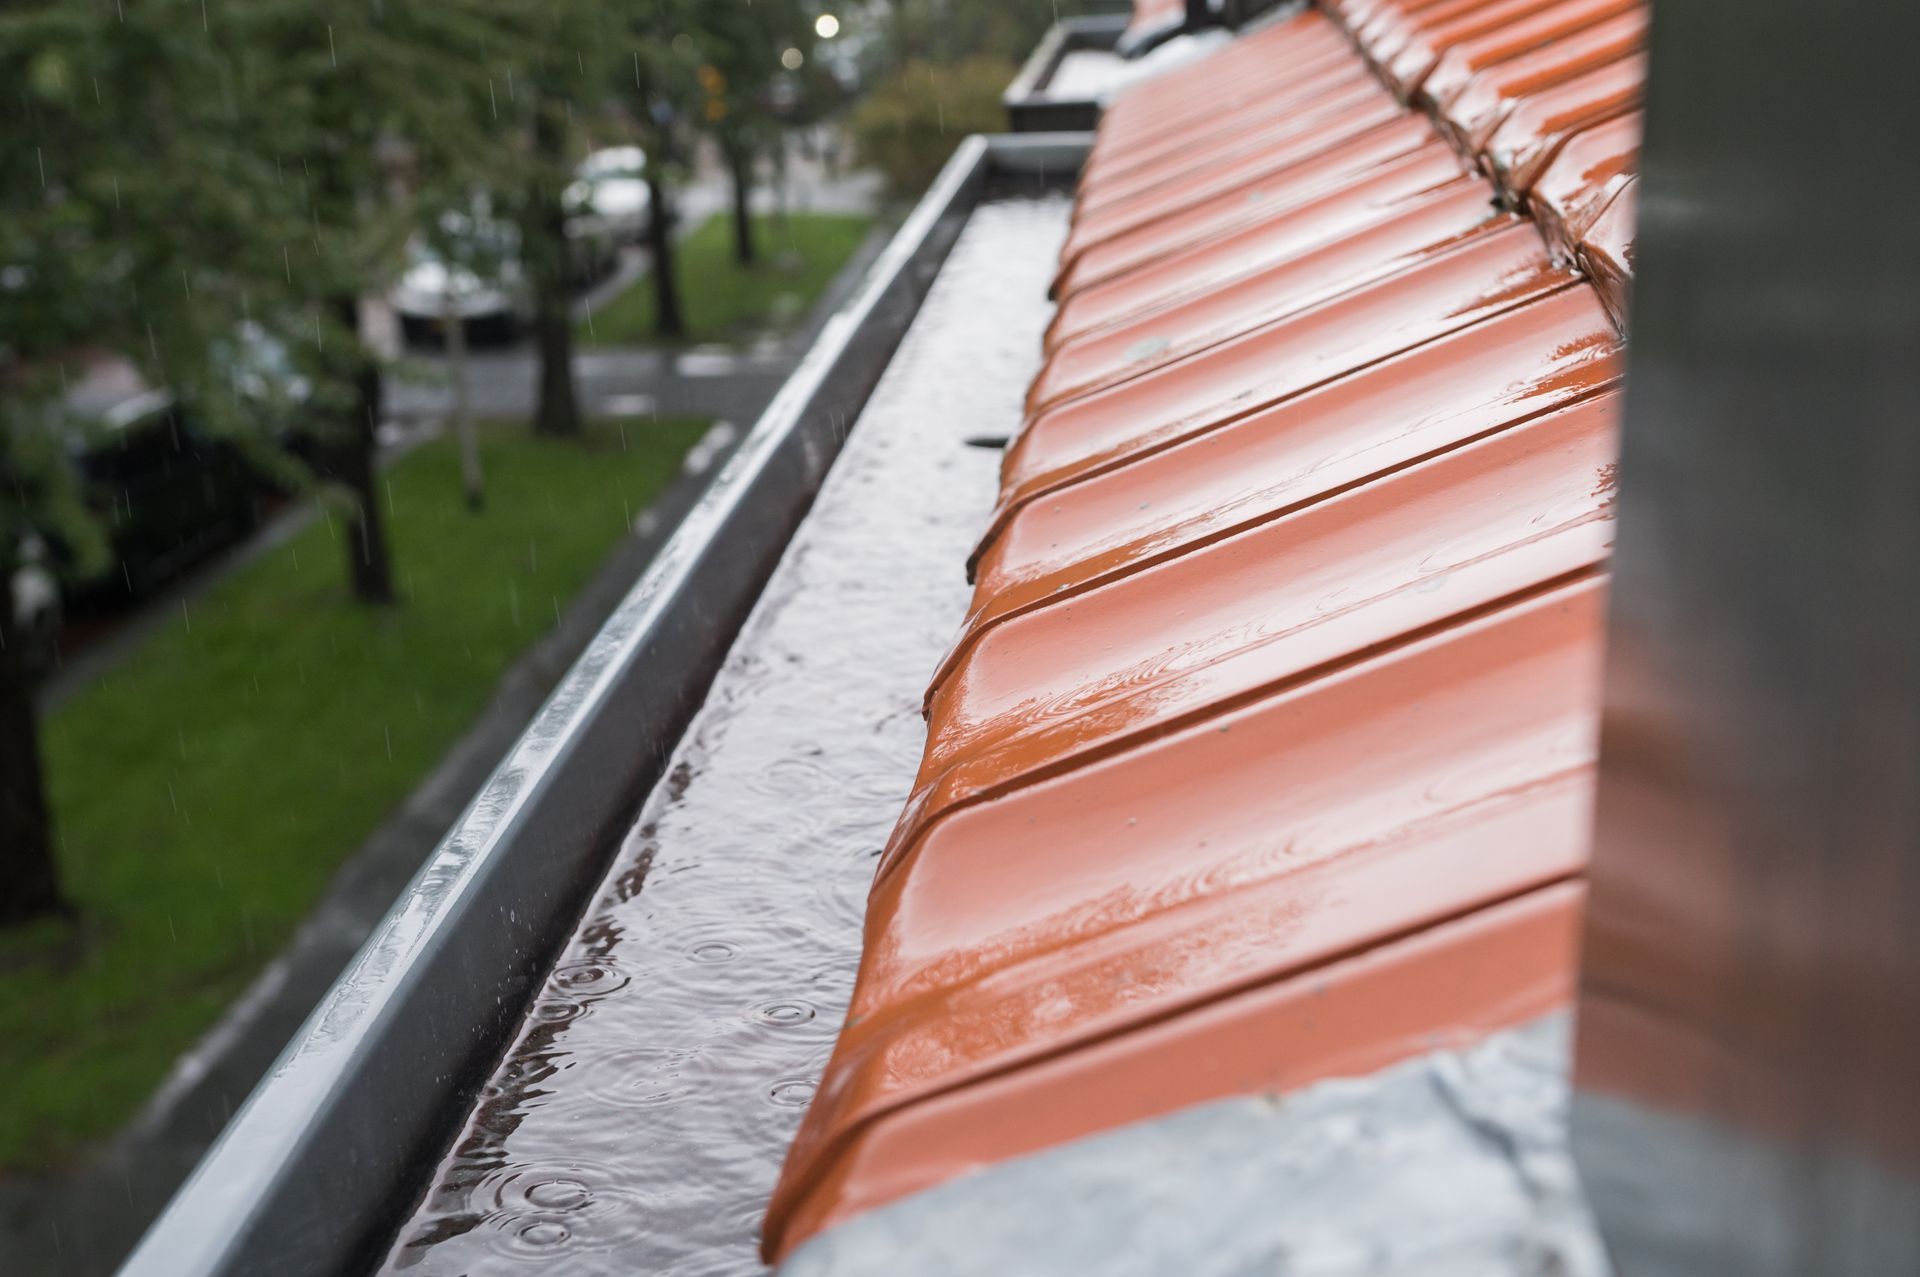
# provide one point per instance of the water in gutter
(639, 1120)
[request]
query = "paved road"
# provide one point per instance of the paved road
(705, 382)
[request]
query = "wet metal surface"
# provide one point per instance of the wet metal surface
(638, 1122)
(1749, 1030)
(1452, 1165)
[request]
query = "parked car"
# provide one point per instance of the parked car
(267, 383)
(168, 492)
(469, 269)
(609, 195)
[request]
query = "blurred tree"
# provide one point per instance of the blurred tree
(667, 94)
(568, 76)
(102, 245)
(911, 121)
(168, 170)
(742, 46)
(951, 31)
(359, 106)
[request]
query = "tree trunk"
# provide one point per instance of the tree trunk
(29, 878)
(667, 318)
(557, 411)
(351, 462)
(740, 161)
(472, 480)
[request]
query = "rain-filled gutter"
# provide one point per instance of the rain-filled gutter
(1030, 107)
(333, 1146)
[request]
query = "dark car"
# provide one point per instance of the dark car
(167, 492)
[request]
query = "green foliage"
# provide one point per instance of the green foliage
(208, 789)
(911, 121)
(172, 167)
(952, 31)
(728, 301)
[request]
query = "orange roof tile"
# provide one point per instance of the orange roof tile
(1213, 262)
(1426, 228)
(1590, 170)
(1095, 254)
(1265, 751)
(1533, 133)
(1436, 396)
(1483, 276)
(1483, 103)
(1540, 30)
(1605, 251)
(1407, 68)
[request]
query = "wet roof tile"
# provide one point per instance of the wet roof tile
(1407, 68)
(1590, 170)
(1533, 133)
(1227, 867)
(1195, 96)
(1425, 229)
(1265, 751)
(1483, 103)
(1437, 396)
(1242, 72)
(1540, 30)
(1483, 276)
(1606, 251)
(1213, 263)
(1324, 103)
(1136, 206)
(1392, 26)
(1269, 119)
(1448, 985)
(1136, 652)
(1093, 254)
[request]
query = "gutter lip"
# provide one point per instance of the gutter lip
(1029, 109)
(339, 1139)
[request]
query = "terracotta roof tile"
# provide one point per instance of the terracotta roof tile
(1541, 30)
(1406, 69)
(1095, 254)
(1606, 251)
(1533, 133)
(1214, 262)
(1483, 103)
(1426, 228)
(1227, 132)
(1590, 170)
(1481, 277)
(1265, 751)
(1350, 100)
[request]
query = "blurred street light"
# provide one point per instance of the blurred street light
(792, 59)
(826, 26)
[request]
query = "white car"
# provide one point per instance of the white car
(609, 194)
(473, 273)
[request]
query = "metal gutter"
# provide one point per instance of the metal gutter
(1030, 109)
(333, 1146)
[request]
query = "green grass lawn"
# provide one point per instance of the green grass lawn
(724, 301)
(207, 791)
